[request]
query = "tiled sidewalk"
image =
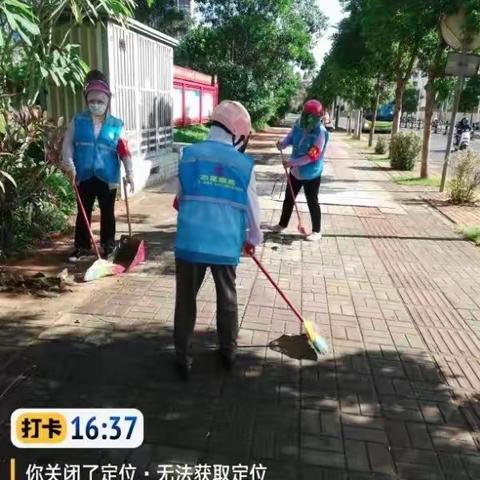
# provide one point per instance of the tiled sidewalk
(391, 285)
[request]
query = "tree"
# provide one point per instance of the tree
(253, 47)
(410, 100)
(405, 24)
(32, 51)
(163, 15)
(432, 60)
(471, 95)
(353, 70)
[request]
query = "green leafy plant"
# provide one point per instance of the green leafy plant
(472, 233)
(35, 198)
(466, 177)
(381, 146)
(190, 134)
(404, 150)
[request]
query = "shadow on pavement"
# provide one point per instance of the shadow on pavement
(362, 415)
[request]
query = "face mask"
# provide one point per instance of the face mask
(97, 109)
(309, 122)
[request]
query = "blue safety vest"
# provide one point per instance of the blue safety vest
(212, 218)
(302, 142)
(96, 156)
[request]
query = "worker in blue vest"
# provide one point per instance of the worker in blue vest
(218, 216)
(92, 150)
(308, 139)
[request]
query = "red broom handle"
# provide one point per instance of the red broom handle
(277, 288)
(85, 218)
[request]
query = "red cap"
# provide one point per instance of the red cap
(313, 107)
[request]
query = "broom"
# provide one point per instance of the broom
(100, 267)
(318, 343)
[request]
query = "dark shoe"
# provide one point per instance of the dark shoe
(184, 370)
(107, 250)
(78, 254)
(228, 359)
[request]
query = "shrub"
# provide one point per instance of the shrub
(404, 150)
(466, 176)
(381, 146)
(35, 198)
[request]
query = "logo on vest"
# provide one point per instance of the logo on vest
(218, 181)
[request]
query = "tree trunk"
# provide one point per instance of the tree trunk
(375, 111)
(427, 127)
(398, 105)
(402, 79)
(435, 70)
(355, 130)
(360, 124)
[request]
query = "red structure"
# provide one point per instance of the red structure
(195, 96)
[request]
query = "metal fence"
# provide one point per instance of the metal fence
(141, 76)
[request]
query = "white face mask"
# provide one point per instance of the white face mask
(97, 103)
(97, 109)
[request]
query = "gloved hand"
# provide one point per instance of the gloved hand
(248, 249)
(130, 183)
(279, 145)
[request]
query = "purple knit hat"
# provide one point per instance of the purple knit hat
(97, 86)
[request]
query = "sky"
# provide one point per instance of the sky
(333, 10)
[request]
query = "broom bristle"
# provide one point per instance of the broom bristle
(102, 268)
(318, 342)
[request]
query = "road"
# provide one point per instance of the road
(438, 146)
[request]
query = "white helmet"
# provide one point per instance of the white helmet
(234, 117)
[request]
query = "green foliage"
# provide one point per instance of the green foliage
(253, 48)
(444, 87)
(418, 181)
(164, 16)
(410, 100)
(381, 146)
(190, 134)
(37, 199)
(472, 233)
(470, 95)
(18, 18)
(466, 176)
(353, 70)
(404, 150)
(33, 49)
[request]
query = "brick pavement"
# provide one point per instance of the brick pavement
(391, 285)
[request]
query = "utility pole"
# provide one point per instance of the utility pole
(456, 103)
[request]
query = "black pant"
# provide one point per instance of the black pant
(189, 278)
(310, 188)
(89, 191)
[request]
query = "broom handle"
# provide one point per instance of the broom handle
(291, 191)
(85, 218)
(277, 288)
(128, 209)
